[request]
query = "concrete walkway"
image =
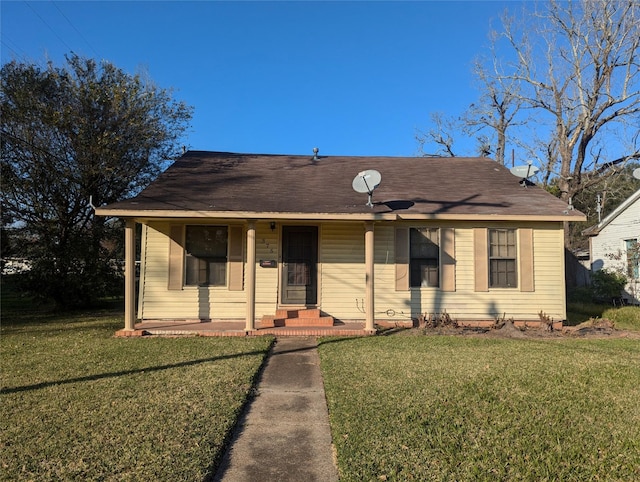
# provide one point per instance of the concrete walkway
(284, 433)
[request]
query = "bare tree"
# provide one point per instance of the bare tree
(562, 85)
(497, 109)
(578, 72)
(441, 134)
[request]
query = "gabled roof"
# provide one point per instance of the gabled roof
(220, 184)
(595, 230)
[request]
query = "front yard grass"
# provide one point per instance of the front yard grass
(466, 408)
(78, 404)
(624, 318)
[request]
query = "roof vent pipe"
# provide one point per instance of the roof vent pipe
(315, 153)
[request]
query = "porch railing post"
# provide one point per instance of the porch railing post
(250, 278)
(129, 275)
(369, 270)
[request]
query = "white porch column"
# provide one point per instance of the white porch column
(369, 304)
(129, 275)
(250, 278)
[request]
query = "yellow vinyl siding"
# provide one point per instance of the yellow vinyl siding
(342, 283)
(176, 257)
(342, 277)
(266, 278)
(468, 304)
(190, 302)
(157, 300)
(402, 258)
(390, 304)
(143, 267)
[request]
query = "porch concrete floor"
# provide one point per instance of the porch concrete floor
(237, 328)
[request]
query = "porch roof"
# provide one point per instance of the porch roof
(220, 184)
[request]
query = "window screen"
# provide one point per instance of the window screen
(206, 255)
(425, 257)
(503, 258)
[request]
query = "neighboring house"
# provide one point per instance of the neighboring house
(613, 244)
(240, 236)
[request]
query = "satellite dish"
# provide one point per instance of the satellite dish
(524, 173)
(366, 182)
(636, 173)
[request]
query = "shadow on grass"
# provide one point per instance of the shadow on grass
(38, 386)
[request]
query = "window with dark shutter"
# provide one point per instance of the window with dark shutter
(206, 255)
(503, 271)
(425, 257)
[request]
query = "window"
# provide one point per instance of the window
(502, 258)
(633, 258)
(425, 257)
(206, 255)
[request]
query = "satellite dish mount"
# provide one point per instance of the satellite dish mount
(366, 182)
(524, 172)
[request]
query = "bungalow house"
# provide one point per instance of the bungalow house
(253, 238)
(613, 245)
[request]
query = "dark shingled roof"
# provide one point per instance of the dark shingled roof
(225, 182)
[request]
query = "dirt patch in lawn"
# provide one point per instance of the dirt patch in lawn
(590, 329)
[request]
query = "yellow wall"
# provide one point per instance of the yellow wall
(342, 273)
(342, 278)
(157, 302)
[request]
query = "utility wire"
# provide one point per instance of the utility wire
(74, 28)
(48, 26)
(11, 48)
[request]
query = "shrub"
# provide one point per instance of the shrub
(607, 284)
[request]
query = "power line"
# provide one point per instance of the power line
(74, 28)
(15, 53)
(48, 26)
(18, 54)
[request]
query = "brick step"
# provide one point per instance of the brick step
(297, 318)
(320, 321)
(310, 313)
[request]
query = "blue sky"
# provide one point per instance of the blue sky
(352, 78)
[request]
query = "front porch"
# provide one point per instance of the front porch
(286, 322)
(237, 328)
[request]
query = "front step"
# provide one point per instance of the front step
(312, 317)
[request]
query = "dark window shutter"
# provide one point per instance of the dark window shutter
(526, 260)
(480, 259)
(448, 260)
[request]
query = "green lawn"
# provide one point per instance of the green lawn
(624, 318)
(461, 408)
(78, 404)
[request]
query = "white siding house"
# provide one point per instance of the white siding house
(614, 245)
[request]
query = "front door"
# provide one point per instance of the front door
(299, 265)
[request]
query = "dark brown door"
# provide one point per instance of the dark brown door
(299, 265)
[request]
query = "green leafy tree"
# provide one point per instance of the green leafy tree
(69, 133)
